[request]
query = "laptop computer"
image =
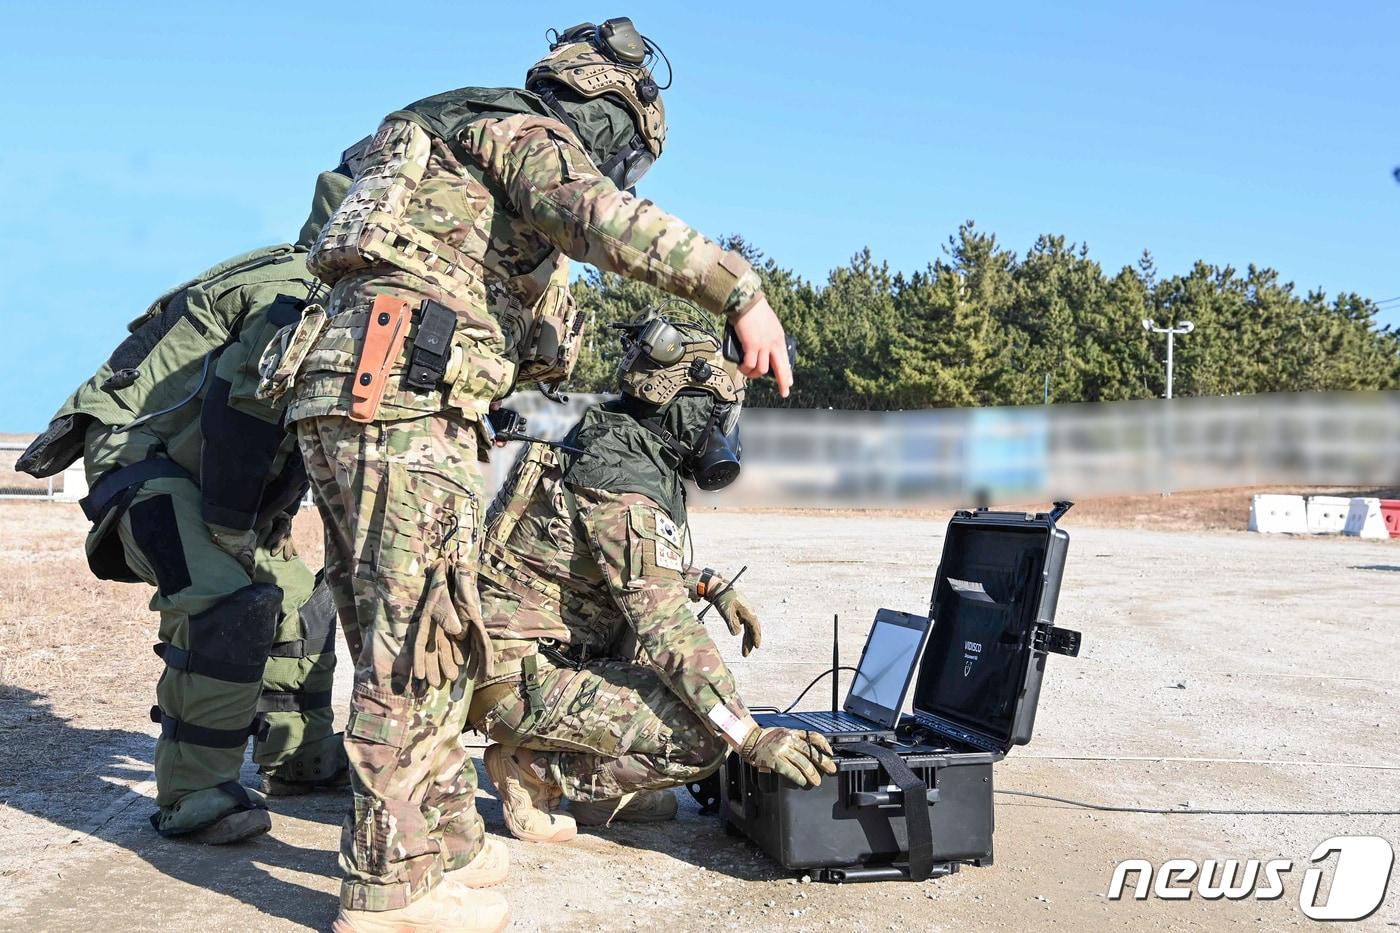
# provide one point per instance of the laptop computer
(876, 695)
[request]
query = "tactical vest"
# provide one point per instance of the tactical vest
(161, 367)
(562, 594)
(542, 328)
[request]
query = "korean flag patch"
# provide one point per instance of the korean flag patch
(666, 529)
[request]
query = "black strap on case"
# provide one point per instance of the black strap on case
(432, 347)
(918, 827)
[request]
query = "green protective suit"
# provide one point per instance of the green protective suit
(247, 653)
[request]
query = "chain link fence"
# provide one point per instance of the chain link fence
(15, 485)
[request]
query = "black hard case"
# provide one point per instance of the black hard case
(993, 607)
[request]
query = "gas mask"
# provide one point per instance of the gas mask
(676, 359)
(629, 164)
(716, 463)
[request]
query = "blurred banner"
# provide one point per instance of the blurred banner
(801, 457)
(819, 459)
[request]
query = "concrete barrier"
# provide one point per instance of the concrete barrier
(1327, 515)
(1364, 519)
(1390, 512)
(1275, 514)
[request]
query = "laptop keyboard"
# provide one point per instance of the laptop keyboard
(837, 722)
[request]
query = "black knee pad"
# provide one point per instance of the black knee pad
(157, 533)
(240, 629)
(318, 621)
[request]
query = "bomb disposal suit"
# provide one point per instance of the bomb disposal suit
(193, 483)
(604, 682)
(459, 194)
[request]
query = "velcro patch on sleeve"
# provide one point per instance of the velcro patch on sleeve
(668, 557)
(648, 553)
(666, 529)
(730, 726)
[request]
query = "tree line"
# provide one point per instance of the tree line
(982, 325)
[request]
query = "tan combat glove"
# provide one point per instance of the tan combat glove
(475, 639)
(279, 537)
(801, 757)
(738, 615)
(437, 647)
(238, 544)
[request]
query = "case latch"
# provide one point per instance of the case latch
(1056, 640)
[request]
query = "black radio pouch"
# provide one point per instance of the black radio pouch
(432, 347)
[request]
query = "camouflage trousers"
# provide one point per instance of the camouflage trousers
(398, 499)
(208, 705)
(609, 727)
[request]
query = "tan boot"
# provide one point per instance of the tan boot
(527, 801)
(488, 869)
(643, 806)
(447, 908)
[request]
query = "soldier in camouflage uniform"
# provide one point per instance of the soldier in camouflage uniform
(459, 194)
(606, 689)
(194, 481)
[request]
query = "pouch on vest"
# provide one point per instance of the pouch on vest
(515, 494)
(286, 353)
(371, 225)
(543, 336)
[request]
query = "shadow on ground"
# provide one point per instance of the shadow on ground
(78, 784)
(76, 780)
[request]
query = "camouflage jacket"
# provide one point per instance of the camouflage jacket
(461, 193)
(599, 574)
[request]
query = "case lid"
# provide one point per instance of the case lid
(993, 609)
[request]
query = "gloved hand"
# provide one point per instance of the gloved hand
(437, 646)
(238, 543)
(279, 537)
(738, 615)
(801, 757)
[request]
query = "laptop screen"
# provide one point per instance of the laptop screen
(891, 651)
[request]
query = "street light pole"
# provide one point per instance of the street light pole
(1183, 328)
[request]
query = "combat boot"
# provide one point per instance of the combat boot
(447, 908)
(527, 800)
(487, 870)
(643, 806)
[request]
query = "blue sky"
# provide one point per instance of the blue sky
(148, 141)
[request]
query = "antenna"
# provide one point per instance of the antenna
(835, 658)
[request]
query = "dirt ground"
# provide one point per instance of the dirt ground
(1221, 671)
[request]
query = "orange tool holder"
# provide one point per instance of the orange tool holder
(384, 337)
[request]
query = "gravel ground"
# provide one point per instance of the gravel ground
(1220, 671)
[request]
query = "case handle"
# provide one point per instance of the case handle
(887, 798)
(1056, 640)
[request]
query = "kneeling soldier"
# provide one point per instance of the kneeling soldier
(606, 688)
(194, 481)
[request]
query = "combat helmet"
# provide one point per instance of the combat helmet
(614, 60)
(673, 350)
